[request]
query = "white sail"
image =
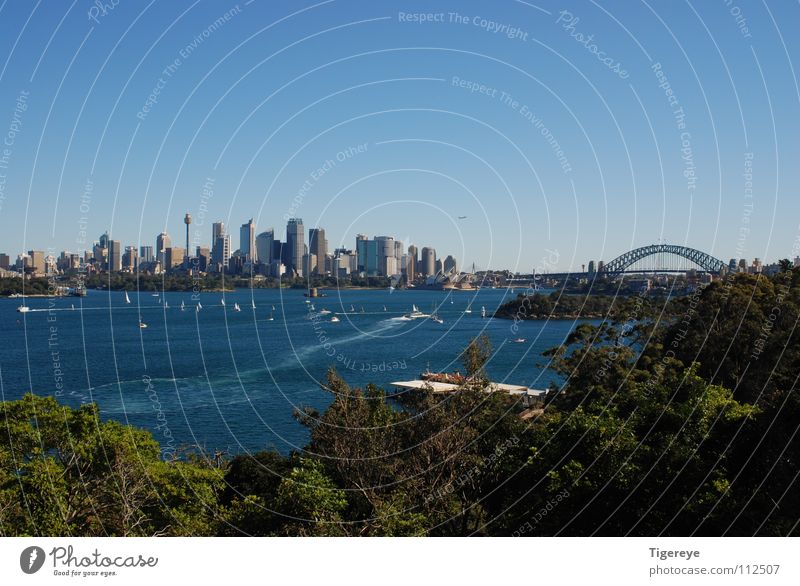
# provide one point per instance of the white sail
(127, 299)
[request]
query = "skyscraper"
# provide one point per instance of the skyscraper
(428, 261)
(220, 246)
(247, 241)
(450, 265)
(264, 246)
(386, 261)
(114, 255)
(317, 246)
(146, 254)
(295, 242)
(412, 263)
(163, 241)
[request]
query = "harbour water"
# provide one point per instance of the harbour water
(230, 380)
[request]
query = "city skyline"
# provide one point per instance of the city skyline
(516, 134)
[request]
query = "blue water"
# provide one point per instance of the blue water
(225, 380)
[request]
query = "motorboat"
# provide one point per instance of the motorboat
(142, 325)
(468, 309)
(519, 341)
(324, 311)
(335, 320)
(23, 309)
(415, 313)
(270, 318)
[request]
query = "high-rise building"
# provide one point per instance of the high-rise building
(130, 259)
(386, 260)
(146, 254)
(173, 257)
(114, 256)
(220, 247)
(427, 261)
(247, 241)
(412, 263)
(264, 246)
(591, 267)
(450, 265)
(203, 255)
(163, 241)
(367, 262)
(37, 262)
(317, 246)
(295, 244)
(5, 261)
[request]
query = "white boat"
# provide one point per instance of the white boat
(391, 288)
(197, 308)
(468, 309)
(166, 304)
(222, 302)
(324, 311)
(142, 325)
(384, 308)
(23, 309)
(183, 306)
(270, 318)
(335, 320)
(307, 301)
(483, 311)
(519, 341)
(273, 308)
(154, 295)
(253, 304)
(73, 307)
(127, 299)
(199, 305)
(236, 307)
(415, 313)
(352, 309)
(437, 319)
(312, 308)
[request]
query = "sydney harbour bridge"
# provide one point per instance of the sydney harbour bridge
(654, 258)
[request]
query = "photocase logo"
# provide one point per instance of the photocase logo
(31, 559)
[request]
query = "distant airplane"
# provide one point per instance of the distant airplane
(462, 217)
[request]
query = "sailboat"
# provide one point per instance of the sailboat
(273, 308)
(352, 309)
(142, 325)
(222, 302)
(384, 308)
(253, 304)
(183, 306)
(236, 307)
(312, 308)
(468, 309)
(270, 318)
(197, 308)
(199, 305)
(166, 304)
(127, 299)
(483, 311)
(73, 307)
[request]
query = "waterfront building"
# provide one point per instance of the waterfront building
(450, 265)
(264, 246)
(295, 246)
(163, 241)
(428, 261)
(36, 262)
(146, 254)
(247, 241)
(318, 247)
(114, 256)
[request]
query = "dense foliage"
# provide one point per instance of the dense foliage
(676, 418)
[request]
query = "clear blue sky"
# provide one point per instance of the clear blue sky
(259, 102)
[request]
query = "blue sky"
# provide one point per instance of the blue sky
(561, 156)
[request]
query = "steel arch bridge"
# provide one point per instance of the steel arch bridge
(703, 260)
